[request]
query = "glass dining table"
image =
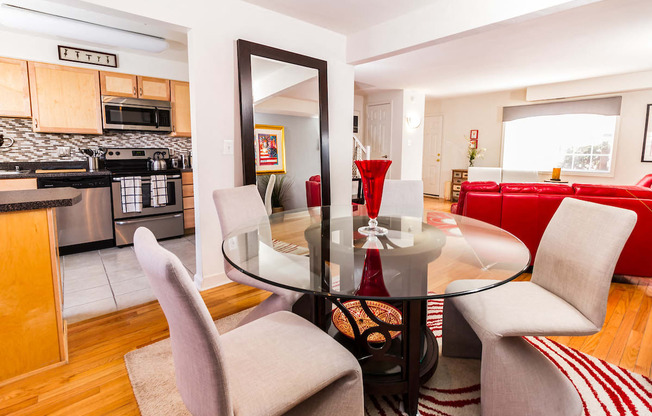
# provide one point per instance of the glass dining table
(370, 292)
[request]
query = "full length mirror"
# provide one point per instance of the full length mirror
(284, 116)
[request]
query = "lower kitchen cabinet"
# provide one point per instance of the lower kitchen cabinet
(188, 201)
(32, 327)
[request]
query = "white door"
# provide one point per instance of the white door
(379, 130)
(432, 134)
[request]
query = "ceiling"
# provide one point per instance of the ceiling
(604, 38)
(343, 16)
(597, 39)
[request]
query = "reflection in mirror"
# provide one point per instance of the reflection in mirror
(287, 130)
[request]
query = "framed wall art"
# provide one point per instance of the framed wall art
(647, 138)
(269, 149)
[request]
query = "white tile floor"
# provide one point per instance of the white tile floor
(102, 281)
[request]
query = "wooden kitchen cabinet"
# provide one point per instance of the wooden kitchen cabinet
(180, 99)
(153, 88)
(14, 88)
(32, 327)
(65, 99)
(18, 184)
(188, 201)
(118, 85)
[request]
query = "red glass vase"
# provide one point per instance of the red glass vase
(372, 283)
(373, 180)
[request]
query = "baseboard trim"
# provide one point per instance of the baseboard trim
(210, 281)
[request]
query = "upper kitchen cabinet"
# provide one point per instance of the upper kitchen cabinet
(14, 88)
(180, 97)
(65, 99)
(153, 88)
(118, 85)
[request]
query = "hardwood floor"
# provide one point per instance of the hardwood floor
(95, 382)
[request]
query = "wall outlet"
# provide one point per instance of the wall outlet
(228, 147)
(63, 151)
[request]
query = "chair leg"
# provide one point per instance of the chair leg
(458, 338)
(518, 380)
(274, 303)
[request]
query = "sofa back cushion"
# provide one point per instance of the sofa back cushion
(536, 188)
(646, 181)
(481, 186)
(620, 191)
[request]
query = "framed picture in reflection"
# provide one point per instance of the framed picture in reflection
(269, 149)
(647, 137)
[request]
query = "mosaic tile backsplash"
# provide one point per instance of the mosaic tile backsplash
(42, 147)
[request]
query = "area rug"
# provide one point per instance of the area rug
(454, 390)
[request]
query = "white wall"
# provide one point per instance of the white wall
(171, 64)
(412, 143)
(214, 28)
(484, 113)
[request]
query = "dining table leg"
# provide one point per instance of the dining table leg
(412, 313)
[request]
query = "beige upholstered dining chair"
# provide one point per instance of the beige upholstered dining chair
(241, 207)
(567, 295)
(268, 193)
(402, 197)
(279, 364)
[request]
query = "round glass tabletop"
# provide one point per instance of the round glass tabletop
(320, 251)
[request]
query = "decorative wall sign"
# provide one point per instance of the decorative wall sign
(473, 137)
(270, 149)
(647, 138)
(85, 56)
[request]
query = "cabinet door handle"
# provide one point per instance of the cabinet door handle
(36, 123)
(141, 91)
(174, 128)
(135, 92)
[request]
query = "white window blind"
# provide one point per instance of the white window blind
(577, 136)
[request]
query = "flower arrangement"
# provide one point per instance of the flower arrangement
(474, 153)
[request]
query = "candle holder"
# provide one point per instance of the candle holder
(373, 174)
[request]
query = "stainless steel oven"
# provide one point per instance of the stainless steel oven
(122, 113)
(164, 221)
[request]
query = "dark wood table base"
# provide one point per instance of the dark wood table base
(398, 367)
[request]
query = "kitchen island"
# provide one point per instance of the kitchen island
(32, 330)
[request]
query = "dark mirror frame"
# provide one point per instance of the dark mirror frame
(248, 49)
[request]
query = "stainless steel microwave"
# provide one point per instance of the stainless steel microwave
(122, 113)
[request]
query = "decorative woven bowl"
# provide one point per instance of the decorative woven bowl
(383, 311)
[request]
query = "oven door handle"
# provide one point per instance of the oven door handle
(167, 217)
(147, 180)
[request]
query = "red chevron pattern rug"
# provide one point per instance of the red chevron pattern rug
(454, 390)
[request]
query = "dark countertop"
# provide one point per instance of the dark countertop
(38, 199)
(31, 167)
(32, 174)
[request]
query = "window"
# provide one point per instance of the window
(574, 142)
(577, 136)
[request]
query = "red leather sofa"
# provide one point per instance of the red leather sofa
(313, 191)
(524, 209)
